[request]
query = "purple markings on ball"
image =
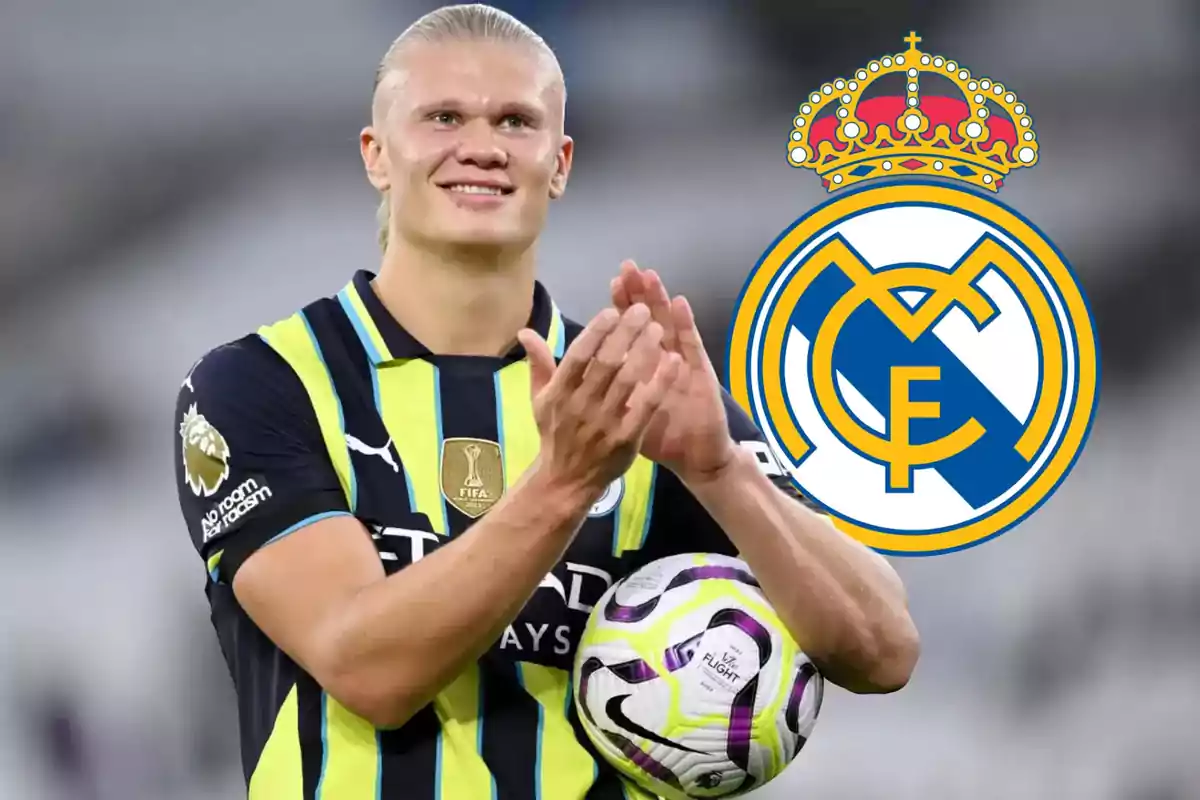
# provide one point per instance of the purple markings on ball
(711, 572)
(680, 655)
(585, 673)
(804, 677)
(635, 671)
(792, 714)
(747, 625)
(741, 730)
(645, 762)
(615, 612)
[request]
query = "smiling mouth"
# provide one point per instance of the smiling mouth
(477, 189)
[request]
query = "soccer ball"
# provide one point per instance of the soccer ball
(687, 682)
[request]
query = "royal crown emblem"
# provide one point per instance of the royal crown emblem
(978, 134)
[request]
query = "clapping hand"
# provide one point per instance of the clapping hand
(689, 432)
(593, 409)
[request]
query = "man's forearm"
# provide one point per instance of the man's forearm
(401, 640)
(842, 602)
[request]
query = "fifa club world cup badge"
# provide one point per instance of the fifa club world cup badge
(918, 354)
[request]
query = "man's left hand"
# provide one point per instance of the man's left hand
(690, 433)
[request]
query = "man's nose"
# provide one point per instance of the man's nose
(479, 145)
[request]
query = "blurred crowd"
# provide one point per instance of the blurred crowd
(173, 175)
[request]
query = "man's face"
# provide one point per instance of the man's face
(468, 141)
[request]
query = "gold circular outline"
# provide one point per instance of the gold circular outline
(1069, 446)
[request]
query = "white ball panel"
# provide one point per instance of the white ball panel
(692, 705)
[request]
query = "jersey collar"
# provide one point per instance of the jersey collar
(386, 340)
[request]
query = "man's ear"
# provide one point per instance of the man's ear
(562, 170)
(375, 159)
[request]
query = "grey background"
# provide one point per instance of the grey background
(173, 175)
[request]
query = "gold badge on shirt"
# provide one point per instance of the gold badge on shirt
(205, 454)
(472, 475)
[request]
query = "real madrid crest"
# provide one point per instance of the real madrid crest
(472, 474)
(919, 355)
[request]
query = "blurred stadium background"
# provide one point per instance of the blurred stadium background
(173, 175)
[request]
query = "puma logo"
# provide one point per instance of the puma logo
(358, 446)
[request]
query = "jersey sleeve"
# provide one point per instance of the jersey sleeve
(680, 523)
(250, 463)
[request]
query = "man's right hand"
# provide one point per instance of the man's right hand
(593, 408)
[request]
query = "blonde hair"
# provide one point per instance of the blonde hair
(468, 22)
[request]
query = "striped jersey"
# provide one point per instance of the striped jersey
(337, 410)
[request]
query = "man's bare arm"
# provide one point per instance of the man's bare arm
(383, 646)
(842, 601)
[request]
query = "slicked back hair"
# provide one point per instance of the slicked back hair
(456, 23)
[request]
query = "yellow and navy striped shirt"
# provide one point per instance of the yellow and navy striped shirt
(338, 410)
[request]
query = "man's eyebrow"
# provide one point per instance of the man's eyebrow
(437, 105)
(522, 108)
